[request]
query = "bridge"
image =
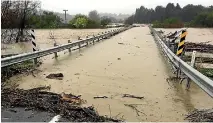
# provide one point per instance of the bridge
(131, 62)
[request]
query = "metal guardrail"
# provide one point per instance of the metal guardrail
(202, 81)
(37, 54)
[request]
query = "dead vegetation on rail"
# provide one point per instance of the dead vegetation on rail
(201, 47)
(24, 67)
(66, 105)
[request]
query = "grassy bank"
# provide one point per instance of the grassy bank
(207, 71)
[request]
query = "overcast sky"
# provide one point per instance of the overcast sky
(111, 6)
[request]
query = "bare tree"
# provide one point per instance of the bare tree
(15, 15)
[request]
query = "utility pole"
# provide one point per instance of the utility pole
(65, 20)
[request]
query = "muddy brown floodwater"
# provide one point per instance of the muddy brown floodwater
(44, 39)
(134, 66)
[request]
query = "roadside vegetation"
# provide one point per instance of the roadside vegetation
(174, 16)
(17, 16)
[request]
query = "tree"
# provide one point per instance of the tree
(73, 22)
(209, 19)
(15, 14)
(105, 21)
(159, 13)
(81, 22)
(130, 20)
(190, 11)
(93, 15)
(204, 19)
(171, 11)
(45, 20)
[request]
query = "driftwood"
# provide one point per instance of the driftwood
(58, 76)
(57, 104)
(132, 96)
(100, 97)
(201, 47)
(120, 43)
(205, 115)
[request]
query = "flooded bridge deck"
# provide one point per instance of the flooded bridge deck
(129, 63)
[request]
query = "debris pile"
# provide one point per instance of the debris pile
(204, 115)
(19, 68)
(27, 67)
(66, 105)
(201, 47)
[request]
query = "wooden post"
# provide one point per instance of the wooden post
(192, 65)
(69, 48)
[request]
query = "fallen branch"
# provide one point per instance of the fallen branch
(110, 111)
(97, 97)
(132, 96)
(134, 108)
(121, 43)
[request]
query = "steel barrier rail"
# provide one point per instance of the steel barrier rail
(202, 81)
(37, 54)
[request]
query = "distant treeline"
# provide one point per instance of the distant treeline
(174, 16)
(26, 14)
(51, 20)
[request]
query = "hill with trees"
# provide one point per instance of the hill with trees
(174, 16)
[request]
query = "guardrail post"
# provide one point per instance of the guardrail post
(98, 37)
(79, 45)
(192, 65)
(108, 34)
(104, 35)
(93, 41)
(55, 53)
(69, 48)
(87, 40)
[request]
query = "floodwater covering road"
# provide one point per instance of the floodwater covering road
(129, 63)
